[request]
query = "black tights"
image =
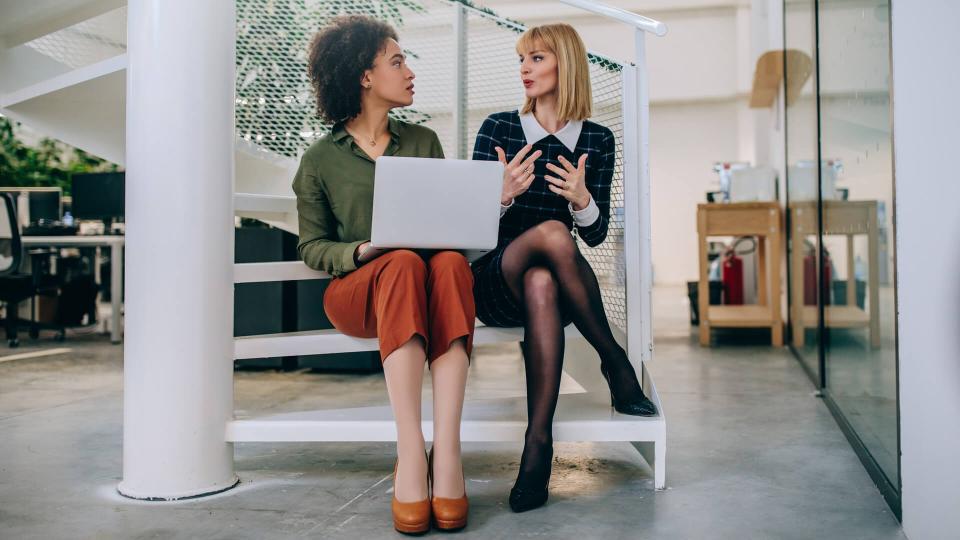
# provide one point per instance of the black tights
(544, 269)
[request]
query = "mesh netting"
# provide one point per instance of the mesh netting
(87, 42)
(275, 108)
(275, 105)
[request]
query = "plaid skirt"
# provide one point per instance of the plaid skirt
(494, 300)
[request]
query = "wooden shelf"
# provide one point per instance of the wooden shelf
(837, 317)
(746, 316)
(839, 218)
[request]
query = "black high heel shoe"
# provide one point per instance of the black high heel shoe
(523, 498)
(635, 403)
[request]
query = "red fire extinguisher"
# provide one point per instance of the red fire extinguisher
(810, 278)
(732, 277)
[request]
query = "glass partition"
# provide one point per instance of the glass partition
(859, 338)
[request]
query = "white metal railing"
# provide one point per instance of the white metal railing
(639, 21)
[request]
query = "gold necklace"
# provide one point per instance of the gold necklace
(373, 140)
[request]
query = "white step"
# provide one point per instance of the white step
(332, 341)
(580, 417)
(275, 210)
(275, 271)
(83, 108)
(255, 202)
(66, 80)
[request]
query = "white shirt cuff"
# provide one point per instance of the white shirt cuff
(586, 217)
(503, 209)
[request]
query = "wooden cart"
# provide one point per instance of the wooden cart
(760, 219)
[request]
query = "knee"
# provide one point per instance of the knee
(449, 260)
(539, 287)
(557, 240)
(404, 260)
(553, 227)
(450, 263)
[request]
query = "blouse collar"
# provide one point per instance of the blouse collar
(569, 134)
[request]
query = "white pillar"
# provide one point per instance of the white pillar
(178, 352)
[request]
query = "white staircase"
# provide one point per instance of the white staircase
(65, 72)
(70, 84)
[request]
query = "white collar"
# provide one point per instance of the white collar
(533, 131)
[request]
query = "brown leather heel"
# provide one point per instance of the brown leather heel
(409, 517)
(448, 514)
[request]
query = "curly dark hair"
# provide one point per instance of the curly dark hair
(337, 58)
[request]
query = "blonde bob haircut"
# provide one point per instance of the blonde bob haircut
(574, 96)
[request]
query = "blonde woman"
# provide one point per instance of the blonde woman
(558, 171)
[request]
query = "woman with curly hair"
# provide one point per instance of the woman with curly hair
(419, 309)
(557, 176)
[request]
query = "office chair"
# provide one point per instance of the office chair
(15, 287)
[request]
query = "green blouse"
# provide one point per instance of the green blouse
(334, 187)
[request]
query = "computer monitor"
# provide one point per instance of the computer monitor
(44, 203)
(97, 196)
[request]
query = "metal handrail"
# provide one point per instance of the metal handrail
(639, 21)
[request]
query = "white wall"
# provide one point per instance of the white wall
(701, 74)
(926, 116)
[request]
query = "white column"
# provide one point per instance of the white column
(178, 351)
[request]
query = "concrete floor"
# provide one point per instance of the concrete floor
(863, 381)
(752, 454)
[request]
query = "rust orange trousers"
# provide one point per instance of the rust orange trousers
(399, 295)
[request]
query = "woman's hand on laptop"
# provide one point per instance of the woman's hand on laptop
(359, 253)
(517, 174)
(571, 184)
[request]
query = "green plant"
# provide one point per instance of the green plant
(48, 164)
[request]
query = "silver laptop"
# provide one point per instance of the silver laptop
(424, 203)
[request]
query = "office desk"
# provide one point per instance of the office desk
(115, 243)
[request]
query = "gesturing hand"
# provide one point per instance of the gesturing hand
(518, 174)
(571, 184)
